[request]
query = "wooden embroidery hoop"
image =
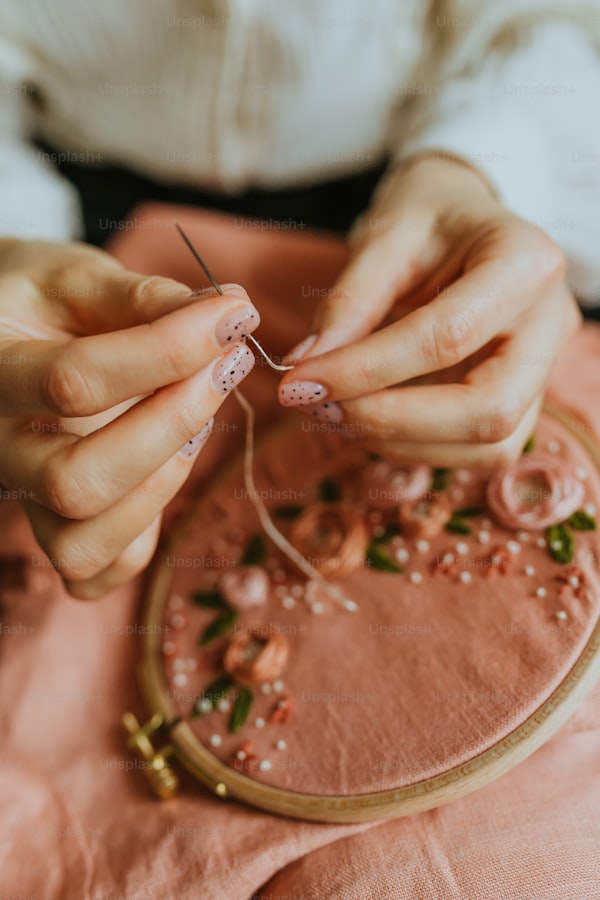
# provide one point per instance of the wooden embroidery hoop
(225, 781)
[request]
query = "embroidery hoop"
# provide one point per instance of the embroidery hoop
(224, 781)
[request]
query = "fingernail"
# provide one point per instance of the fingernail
(232, 368)
(324, 412)
(204, 292)
(237, 323)
(301, 393)
(195, 444)
(297, 352)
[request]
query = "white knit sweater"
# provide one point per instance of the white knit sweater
(229, 94)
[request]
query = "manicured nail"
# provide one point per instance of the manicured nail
(324, 412)
(195, 444)
(297, 352)
(236, 324)
(232, 368)
(301, 393)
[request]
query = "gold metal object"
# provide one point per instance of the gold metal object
(159, 772)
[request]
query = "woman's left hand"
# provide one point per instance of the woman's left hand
(437, 341)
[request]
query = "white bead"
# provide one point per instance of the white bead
(178, 621)
(260, 723)
(423, 546)
(448, 558)
(278, 686)
(523, 536)
(541, 592)
(463, 476)
(416, 577)
(191, 665)
(530, 570)
(264, 765)
(169, 648)
(266, 688)
(513, 547)
(178, 664)
(581, 474)
(553, 446)
(241, 754)
(590, 509)
(461, 548)
(402, 554)
(176, 602)
(281, 745)
(561, 614)
(541, 542)
(483, 537)
(317, 608)
(224, 705)
(456, 493)
(215, 740)
(180, 680)
(574, 581)
(288, 602)
(465, 577)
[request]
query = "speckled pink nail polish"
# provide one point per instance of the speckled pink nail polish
(236, 324)
(232, 368)
(324, 412)
(195, 444)
(301, 393)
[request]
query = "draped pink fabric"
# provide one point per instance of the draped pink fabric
(76, 817)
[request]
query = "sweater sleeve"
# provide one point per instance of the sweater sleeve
(35, 201)
(524, 112)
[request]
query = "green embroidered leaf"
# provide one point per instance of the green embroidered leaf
(468, 512)
(287, 512)
(530, 445)
(219, 626)
(255, 552)
(377, 558)
(581, 521)
(440, 480)
(457, 526)
(330, 491)
(560, 543)
(209, 599)
(241, 709)
(387, 534)
(213, 694)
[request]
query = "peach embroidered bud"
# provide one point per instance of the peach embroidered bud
(332, 537)
(424, 518)
(245, 587)
(533, 493)
(252, 657)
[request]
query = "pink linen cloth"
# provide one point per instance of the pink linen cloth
(77, 819)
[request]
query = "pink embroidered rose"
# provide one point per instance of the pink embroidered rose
(245, 587)
(533, 493)
(384, 486)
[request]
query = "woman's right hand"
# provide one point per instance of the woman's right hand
(80, 337)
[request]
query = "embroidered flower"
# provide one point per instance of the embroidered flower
(384, 486)
(283, 711)
(332, 537)
(424, 518)
(253, 657)
(244, 758)
(245, 587)
(573, 583)
(499, 562)
(533, 493)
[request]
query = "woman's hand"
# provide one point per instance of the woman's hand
(80, 337)
(475, 309)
